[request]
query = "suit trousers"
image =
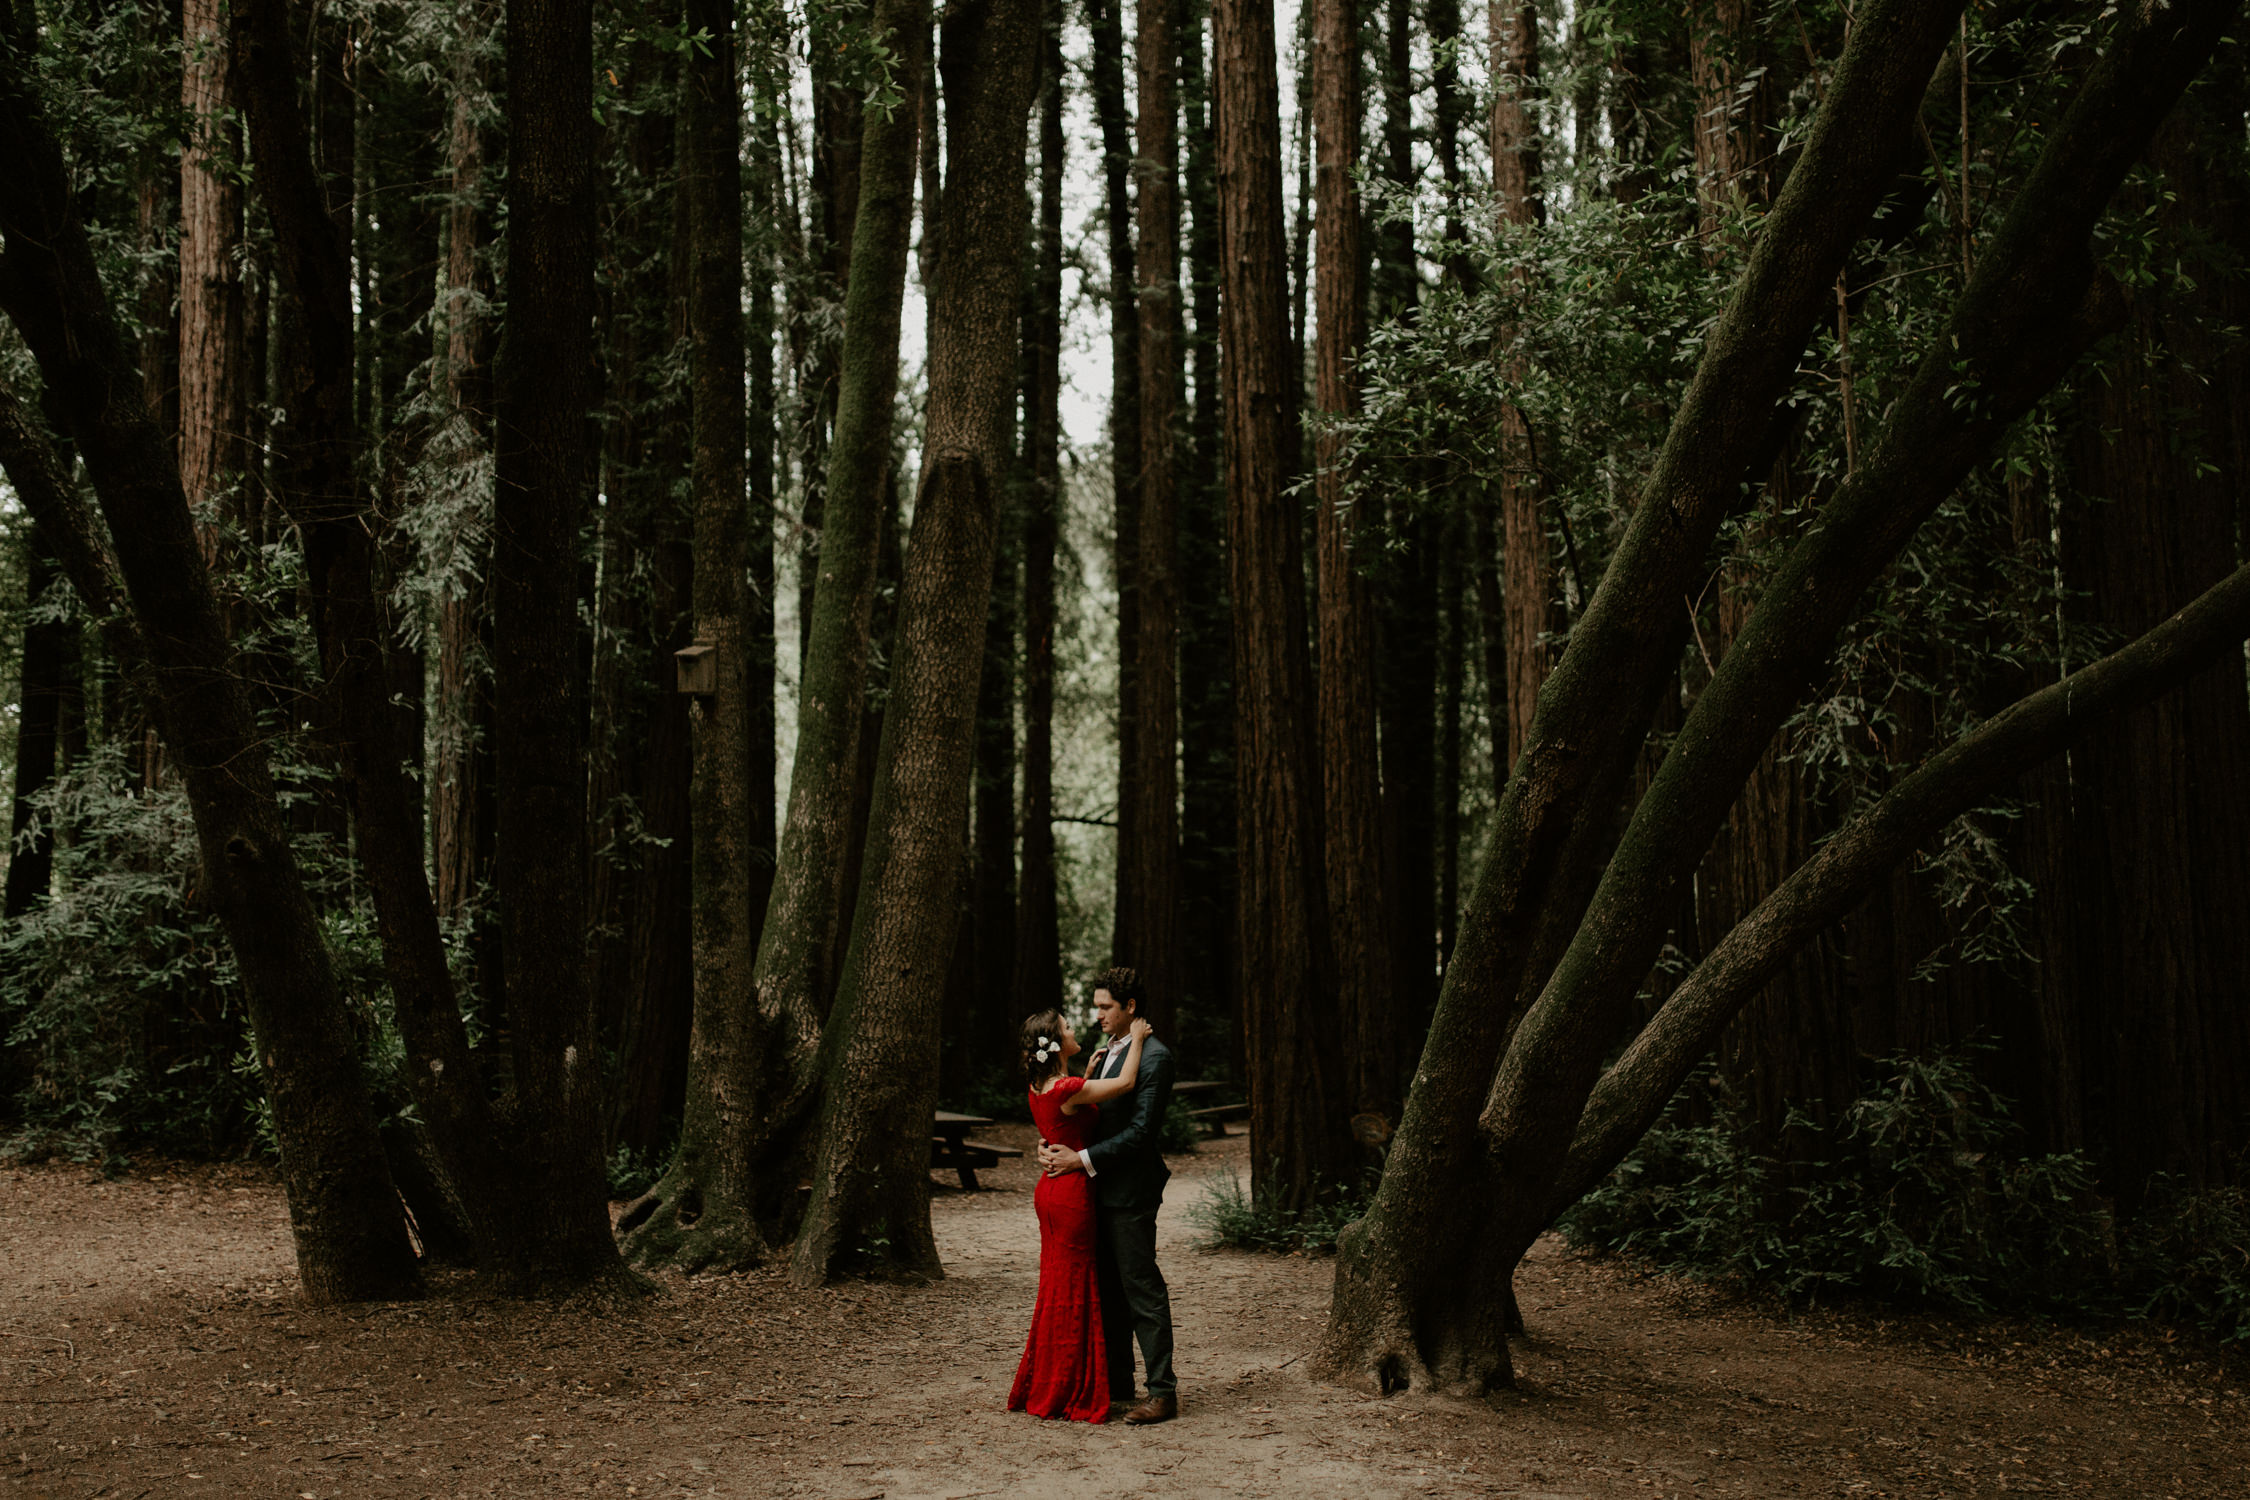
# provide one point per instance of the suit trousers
(1136, 1304)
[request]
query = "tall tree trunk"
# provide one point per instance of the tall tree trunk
(461, 784)
(1038, 979)
(542, 400)
(214, 395)
(1206, 654)
(351, 1237)
(1299, 1142)
(721, 1198)
(1527, 584)
(869, 1211)
(1126, 463)
(721, 1086)
(1352, 795)
(1153, 809)
(986, 1039)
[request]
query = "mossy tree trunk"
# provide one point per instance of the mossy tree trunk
(732, 1183)
(869, 1211)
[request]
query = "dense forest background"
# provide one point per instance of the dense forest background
(752, 549)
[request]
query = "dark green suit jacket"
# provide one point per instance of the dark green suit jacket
(1129, 1170)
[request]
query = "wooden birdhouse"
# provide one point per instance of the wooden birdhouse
(698, 669)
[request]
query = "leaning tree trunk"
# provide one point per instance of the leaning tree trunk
(1415, 1302)
(2006, 337)
(1300, 1144)
(543, 394)
(1154, 786)
(344, 1211)
(726, 1189)
(870, 1208)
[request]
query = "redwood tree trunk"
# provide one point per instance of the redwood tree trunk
(1527, 571)
(1125, 459)
(1152, 811)
(542, 399)
(869, 1212)
(1300, 1144)
(214, 391)
(1358, 928)
(1038, 972)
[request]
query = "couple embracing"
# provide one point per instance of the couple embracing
(1101, 1183)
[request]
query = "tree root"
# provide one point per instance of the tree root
(1391, 1327)
(679, 1223)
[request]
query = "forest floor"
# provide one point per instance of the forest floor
(152, 1346)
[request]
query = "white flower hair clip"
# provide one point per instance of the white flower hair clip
(1047, 1048)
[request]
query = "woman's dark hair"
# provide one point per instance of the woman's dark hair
(1047, 1025)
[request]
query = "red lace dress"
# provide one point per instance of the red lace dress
(1065, 1368)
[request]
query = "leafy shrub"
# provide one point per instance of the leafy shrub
(1916, 1195)
(119, 993)
(1231, 1220)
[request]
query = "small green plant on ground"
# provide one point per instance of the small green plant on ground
(1232, 1220)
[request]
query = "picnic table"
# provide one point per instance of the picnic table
(1211, 1117)
(950, 1146)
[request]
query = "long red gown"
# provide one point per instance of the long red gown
(1065, 1368)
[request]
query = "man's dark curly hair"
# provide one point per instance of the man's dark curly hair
(1124, 986)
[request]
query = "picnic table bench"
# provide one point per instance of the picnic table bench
(950, 1146)
(1212, 1117)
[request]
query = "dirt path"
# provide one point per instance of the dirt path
(154, 1348)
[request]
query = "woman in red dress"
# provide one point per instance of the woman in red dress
(1065, 1369)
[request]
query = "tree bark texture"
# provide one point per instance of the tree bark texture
(1351, 788)
(1206, 654)
(214, 391)
(1527, 581)
(1106, 23)
(543, 394)
(1299, 1132)
(1038, 981)
(1403, 1314)
(684, 1219)
(721, 1086)
(351, 1238)
(1154, 787)
(869, 1212)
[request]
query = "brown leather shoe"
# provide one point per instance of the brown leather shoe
(1154, 1409)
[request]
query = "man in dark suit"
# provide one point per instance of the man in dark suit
(1129, 1176)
